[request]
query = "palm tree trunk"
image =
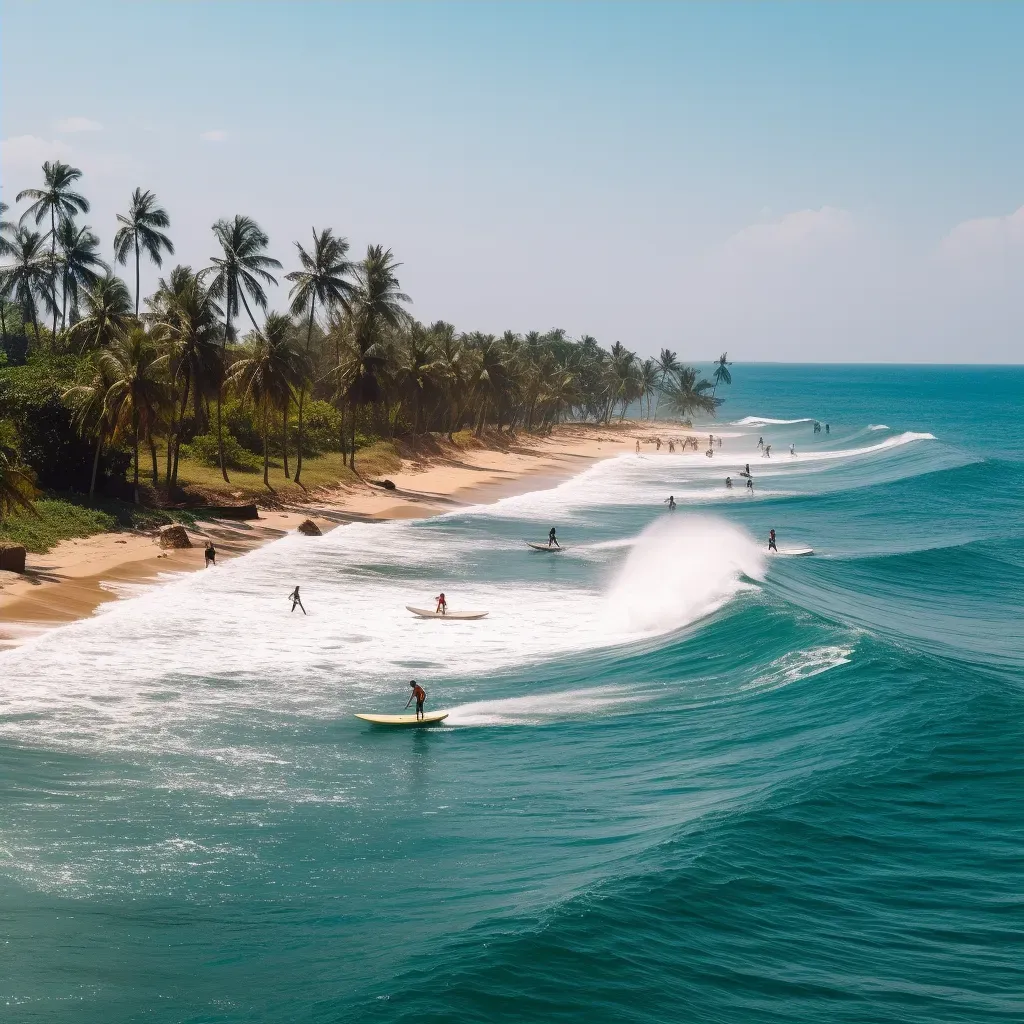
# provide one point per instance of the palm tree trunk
(352, 440)
(172, 462)
(156, 465)
(53, 273)
(341, 431)
(3, 321)
(284, 439)
(135, 481)
(220, 387)
(302, 398)
(95, 464)
(266, 455)
(136, 275)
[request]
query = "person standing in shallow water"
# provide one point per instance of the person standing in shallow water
(671, 503)
(211, 554)
(297, 601)
(750, 485)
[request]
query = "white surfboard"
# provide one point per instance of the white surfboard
(430, 718)
(793, 552)
(543, 547)
(426, 613)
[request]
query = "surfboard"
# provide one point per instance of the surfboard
(793, 552)
(542, 547)
(426, 613)
(430, 718)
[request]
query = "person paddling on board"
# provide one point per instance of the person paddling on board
(419, 695)
(671, 503)
(211, 554)
(297, 601)
(442, 605)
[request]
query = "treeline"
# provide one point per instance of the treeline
(202, 369)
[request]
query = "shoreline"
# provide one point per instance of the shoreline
(74, 578)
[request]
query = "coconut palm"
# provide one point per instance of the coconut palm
(241, 269)
(378, 306)
(28, 278)
(88, 402)
(16, 489)
(721, 372)
(137, 392)
(324, 278)
(58, 199)
(268, 371)
(686, 395)
(667, 364)
(7, 230)
(107, 314)
(80, 264)
(187, 319)
(139, 233)
(647, 381)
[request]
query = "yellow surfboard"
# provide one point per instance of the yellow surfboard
(430, 718)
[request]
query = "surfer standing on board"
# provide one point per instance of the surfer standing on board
(442, 605)
(296, 600)
(771, 542)
(552, 539)
(419, 694)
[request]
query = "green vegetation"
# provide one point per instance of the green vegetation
(121, 395)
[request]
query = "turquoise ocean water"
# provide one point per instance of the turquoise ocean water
(683, 780)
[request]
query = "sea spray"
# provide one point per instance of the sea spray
(681, 569)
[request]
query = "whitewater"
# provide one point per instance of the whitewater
(677, 771)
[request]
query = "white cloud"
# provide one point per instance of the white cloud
(20, 152)
(78, 124)
(214, 135)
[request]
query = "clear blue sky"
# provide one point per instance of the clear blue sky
(830, 181)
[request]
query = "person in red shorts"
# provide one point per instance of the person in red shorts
(419, 694)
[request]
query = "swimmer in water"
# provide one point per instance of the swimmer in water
(771, 542)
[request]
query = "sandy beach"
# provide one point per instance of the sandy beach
(74, 578)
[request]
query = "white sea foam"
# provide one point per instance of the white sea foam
(543, 707)
(797, 665)
(878, 426)
(764, 421)
(680, 570)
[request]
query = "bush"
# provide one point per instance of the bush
(203, 449)
(321, 424)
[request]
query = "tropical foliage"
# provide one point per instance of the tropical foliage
(130, 378)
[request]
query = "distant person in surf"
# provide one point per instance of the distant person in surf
(211, 554)
(826, 428)
(746, 469)
(442, 605)
(728, 482)
(671, 503)
(552, 539)
(767, 451)
(671, 446)
(638, 447)
(771, 542)
(760, 442)
(792, 449)
(750, 484)
(419, 695)
(657, 444)
(296, 600)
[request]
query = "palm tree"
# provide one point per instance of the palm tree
(378, 305)
(16, 490)
(88, 402)
(667, 364)
(6, 228)
(108, 314)
(492, 375)
(139, 233)
(80, 264)
(322, 277)
(242, 268)
(61, 202)
(187, 318)
(649, 377)
(136, 393)
(721, 374)
(268, 371)
(28, 277)
(686, 395)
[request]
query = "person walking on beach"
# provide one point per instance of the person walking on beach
(657, 444)
(552, 539)
(638, 446)
(296, 600)
(211, 554)
(671, 446)
(442, 605)
(419, 695)
(771, 542)
(671, 503)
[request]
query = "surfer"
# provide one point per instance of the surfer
(211, 554)
(728, 482)
(792, 449)
(442, 605)
(768, 451)
(750, 484)
(671, 503)
(760, 442)
(771, 542)
(826, 428)
(552, 539)
(419, 694)
(746, 469)
(296, 600)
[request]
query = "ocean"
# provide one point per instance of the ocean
(682, 779)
